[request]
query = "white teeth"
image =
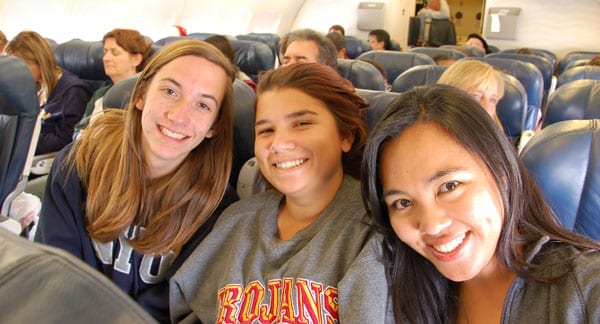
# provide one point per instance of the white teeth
(289, 164)
(450, 246)
(172, 134)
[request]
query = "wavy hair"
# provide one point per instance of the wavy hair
(111, 166)
(133, 42)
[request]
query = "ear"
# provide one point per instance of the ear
(139, 104)
(210, 134)
(347, 143)
(137, 60)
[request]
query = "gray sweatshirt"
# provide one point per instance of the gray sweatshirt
(242, 272)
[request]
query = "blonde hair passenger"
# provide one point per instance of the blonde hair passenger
(480, 80)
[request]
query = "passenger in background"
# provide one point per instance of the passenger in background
(224, 45)
(379, 40)
(301, 252)
(125, 53)
(435, 9)
(388, 86)
(468, 233)
(443, 59)
(142, 187)
(3, 42)
(307, 45)
(478, 79)
(476, 40)
(61, 94)
(340, 44)
(337, 29)
(524, 51)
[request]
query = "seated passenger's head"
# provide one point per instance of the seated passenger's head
(477, 78)
(182, 105)
(125, 52)
(337, 29)
(443, 60)
(439, 178)
(307, 45)
(308, 127)
(379, 40)
(475, 40)
(340, 44)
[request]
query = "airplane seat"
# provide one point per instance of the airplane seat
(395, 62)
(549, 55)
(119, 94)
(512, 111)
(355, 46)
(19, 128)
(395, 46)
(363, 75)
(531, 78)
(579, 99)
(52, 43)
(268, 39)
(493, 48)
(576, 63)
(83, 58)
(203, 36)
(253, 57)
(418, 75)
(243, 127)
(168, 40)
(590, 72)
(469, 50)
(564, 158)
(573, 56)
(433, 51)
(43, 284)
(378, 102)
(441, 32)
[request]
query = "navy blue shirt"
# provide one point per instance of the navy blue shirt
(143, 277)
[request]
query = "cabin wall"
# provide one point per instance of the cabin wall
(557, 25)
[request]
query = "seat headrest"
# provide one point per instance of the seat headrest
(579, 99)
(512, 108)
(355, 46)
(591, 72)
(253, 57)
(378, 102)
(17, 88)
(574, 56)
(363, 75)
(470, 50)
(547, 54)
(395, 62)
(416, 76)
(542, 63)
(564, 159)
(119, 94)
(82, 58)
(433, 51)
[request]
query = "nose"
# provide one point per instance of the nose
(281, 142)
(178, 112)
(433, 220)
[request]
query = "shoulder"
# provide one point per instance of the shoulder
(69, 80)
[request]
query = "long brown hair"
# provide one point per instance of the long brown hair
(111, 166)
(322, 82)
(31, 47)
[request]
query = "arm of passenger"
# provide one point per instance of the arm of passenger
(363, 292)
(61, 218)
(72, 109)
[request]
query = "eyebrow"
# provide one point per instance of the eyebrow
(293, 115)
(437, 175)
(203, 95)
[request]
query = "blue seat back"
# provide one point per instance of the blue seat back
(395, 62)
(542, 63)
(590, 72)
(433, 51)
(363, 75)
(19, 109)
(119, 94)
(355, 47)
(469, 50)
(574, 56)
(378, 102)
(579, 99)
(512, 109)
(253, 57)
(83, 58)
(441, 32)
(416, 76)
(564, 159)
(549, 55)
